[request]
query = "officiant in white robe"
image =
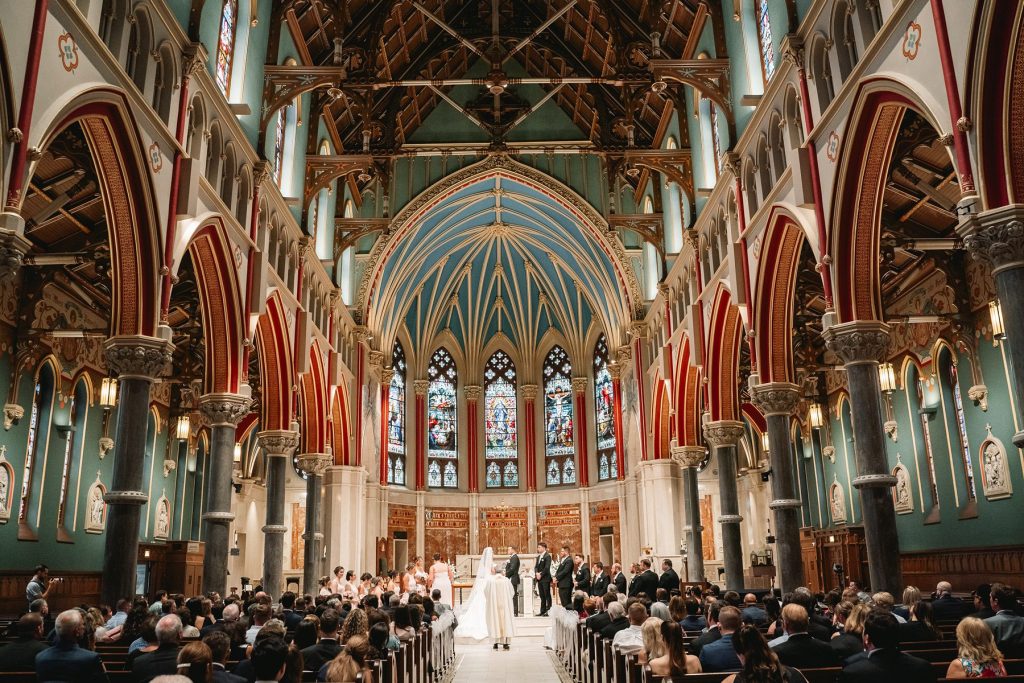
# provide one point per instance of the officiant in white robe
(498, 594)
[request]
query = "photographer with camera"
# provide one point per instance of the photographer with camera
(40, 584)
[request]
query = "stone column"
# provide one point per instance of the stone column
(385, 375)
(529, 393)
(579, 389)
(860, 345)
(473, 392)
(223, 411)
(278, 446)
(777, 401)
(723, 436)
(314, 465)
(136, 361)
(615, 370)
(997, 238)
(420, 438)
(689, 458)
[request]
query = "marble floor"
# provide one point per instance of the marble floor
(527, 660)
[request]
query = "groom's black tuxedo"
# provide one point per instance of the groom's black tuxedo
(542, 569)
(512, 574)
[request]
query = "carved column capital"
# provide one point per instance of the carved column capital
(793, 49)
(689, 456)
(277, 443)
(638, 329)
(775, 398)
(420, 386)
(579, 384)
(224, 410)
(137, 356)
(375, 360)
(723, 433)
(473, 392)
(731, 163)
(13, 247)
(529, 392)
(860, 341)
(386, 375)
(314, 464)
(996, 237)
(615, 370)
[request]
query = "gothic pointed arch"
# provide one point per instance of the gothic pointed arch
(723, 355)
(275, 362)
(314, 403)
(687, 398)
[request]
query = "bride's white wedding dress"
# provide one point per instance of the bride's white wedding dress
(475, 614)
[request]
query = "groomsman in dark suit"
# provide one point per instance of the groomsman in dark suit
(618, 578)
(563, 575)
(646, 582)
(599, 585)
(512, 574)
(542, 572)
(582, 578)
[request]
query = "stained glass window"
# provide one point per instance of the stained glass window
(30, 449)
(500, 425)
(442, 420)
(604, 413)
(764, 36)
(961, 424)
(226, 44)
(396, 418)
(558, 418)
(716, 140)
(65, 473)
(279, 134)
(926, 439)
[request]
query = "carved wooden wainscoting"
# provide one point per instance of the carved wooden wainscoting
(965, 568)
(75, 589)
(822, 549)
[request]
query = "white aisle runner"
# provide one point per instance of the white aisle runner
(527, 660)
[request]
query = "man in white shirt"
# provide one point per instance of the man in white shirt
(631, 640)
(260, 616)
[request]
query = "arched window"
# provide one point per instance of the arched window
(845, 40)
(926, 438)
(38, 421)
(396, 418)
(559, 444)
(821, 73)
(950, 368)
(442, 420)
(226, 44)
(76, 422)
(500, 437)
(764, 39)
(604, 413)
(344, 273)
(648, 205)
(279, 132)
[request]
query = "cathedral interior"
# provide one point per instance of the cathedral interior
(293, 284)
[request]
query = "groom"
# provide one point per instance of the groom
(512, 574)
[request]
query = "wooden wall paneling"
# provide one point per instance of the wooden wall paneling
(559, 525)
(445, 531)
(501, 527)
(965, 568)
(75, 589)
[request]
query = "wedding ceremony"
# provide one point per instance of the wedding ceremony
(560, 341)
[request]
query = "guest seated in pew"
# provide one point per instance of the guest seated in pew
(721, 655)
(1007, 626)
(195, 661)
(617, 620)
(316, 655)
(982, 605)
(270, 659)
(630, 640)
(694, 620)
(379, 636)
(920, 627)
(374, 617)
(674, 661)
(67, 661)
(220, 646)
(911, 594)
(589, 608)
(773, 612)
(350, 664)
(800, 649)
(752, 613)
(945, 607)
(713, 631)
(247, 665)
(146, 641)
(402, 625)
(306, 633)
(977, 654)
(882, 662)
(659, 608)
(601, 619)
(851, 640)
(884, 600)
(758, 664)
(356, 624)
(164, 659)
(20, 655)
(653, 643)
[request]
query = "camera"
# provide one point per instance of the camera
(837, 568)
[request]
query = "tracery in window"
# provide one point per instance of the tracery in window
(558, 418)
(604, 415)
(226, 44)
(38, 419)
(764, 37)
(279, 143)
(961, 427)
(500, 425)
(70, 448)
(442, 420)
(396, 418)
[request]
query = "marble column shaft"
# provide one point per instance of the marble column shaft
(223, 412)
(689, 457)
(777, 401)
(860, 345)
(136, 361)
(997, 238)
(278, 446)
(314, 465)
(723, 435)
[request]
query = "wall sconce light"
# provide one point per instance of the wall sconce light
(184, 428)
(995, 313)
(814, 414)
(238, 453)
(887, 377)
(108, 393)
(764, 442)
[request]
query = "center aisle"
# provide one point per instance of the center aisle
(526, 661)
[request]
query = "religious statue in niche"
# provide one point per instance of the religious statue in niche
(837, 501)
(902, 497)
(162, 525)
(95, 508)
(6, 486)
(995, 475)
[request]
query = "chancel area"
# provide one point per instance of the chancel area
(695, 322)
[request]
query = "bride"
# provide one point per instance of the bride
(441, 577)
(488, 612)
